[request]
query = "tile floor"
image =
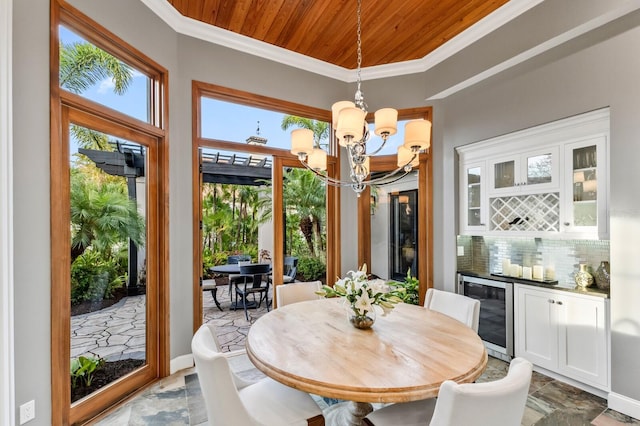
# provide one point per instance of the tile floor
(177, 400)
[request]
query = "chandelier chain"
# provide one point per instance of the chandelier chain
(359, 98)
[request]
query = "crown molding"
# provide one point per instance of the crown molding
(191, 27)
(588, 26)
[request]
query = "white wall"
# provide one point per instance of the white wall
(595, 71)
(7, 398)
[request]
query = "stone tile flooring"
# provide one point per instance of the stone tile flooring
(177, 400)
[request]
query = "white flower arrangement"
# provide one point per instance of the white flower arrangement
(362, 294)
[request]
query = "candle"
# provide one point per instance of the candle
(515, 270)
(526, 272)
(538, 273)
(550, 273)
(506, 266)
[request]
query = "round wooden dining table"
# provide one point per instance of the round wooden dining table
(405, 356)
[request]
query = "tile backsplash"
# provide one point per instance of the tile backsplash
(485, 254)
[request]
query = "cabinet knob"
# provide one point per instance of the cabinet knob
(559, 302)
(552, 301)
(567, 224)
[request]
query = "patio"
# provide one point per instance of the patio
(118, 332)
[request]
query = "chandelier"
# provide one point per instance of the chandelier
(352, 132)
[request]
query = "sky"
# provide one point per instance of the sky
(220, 120)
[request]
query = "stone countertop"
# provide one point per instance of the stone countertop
(591, 291)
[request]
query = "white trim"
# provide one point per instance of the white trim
(210, 33)
(7, 388)
(181, 362)
(624, 405)
(539, 49)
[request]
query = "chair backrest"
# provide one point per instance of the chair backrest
(231, 260)
(297, 292)
(223, 404)
(500, 402)
(257, 270)
(457, 306)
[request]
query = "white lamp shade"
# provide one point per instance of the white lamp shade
(405, 155)
(386, 121)
(350, 123)
(301, 141)
(335, 111)
(417, 133)
(317, 160)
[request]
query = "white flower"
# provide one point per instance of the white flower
(363, 303)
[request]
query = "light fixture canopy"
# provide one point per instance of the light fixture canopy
(352, 132)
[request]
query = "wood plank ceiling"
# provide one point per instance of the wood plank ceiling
(392, 30)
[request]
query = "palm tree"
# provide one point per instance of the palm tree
(83, 65)
(320, 128)
(102, 217)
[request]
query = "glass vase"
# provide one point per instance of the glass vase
(361, 321)
(601, 275)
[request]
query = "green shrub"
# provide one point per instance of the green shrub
(83, 368)
(311, 269)
(94, 278)
(410, 285)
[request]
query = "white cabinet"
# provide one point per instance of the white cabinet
(563, 332)
(473, 200)
(528, 172)
(585, 202)
(547, 181)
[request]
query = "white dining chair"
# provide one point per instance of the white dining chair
(230, 400)
(500, 402)
(297, 292)
(457, 306)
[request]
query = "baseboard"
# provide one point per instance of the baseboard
(180, 363)
(624, 405)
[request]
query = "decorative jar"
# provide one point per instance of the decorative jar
(601, 275)
(583, 278)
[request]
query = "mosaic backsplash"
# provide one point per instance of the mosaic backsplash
(562, 257)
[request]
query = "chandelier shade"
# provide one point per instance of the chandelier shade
(351, 130)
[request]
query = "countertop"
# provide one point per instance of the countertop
(591, 291)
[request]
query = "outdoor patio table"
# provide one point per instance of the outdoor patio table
(230, 269)
(405, 356)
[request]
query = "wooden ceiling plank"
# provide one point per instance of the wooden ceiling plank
(238, 17)
(259, 18)
(210, 11)
(279, 22)
(225, 12)
(295, 18)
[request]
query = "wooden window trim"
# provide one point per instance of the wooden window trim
(66, 107)
(425, 207)
(281, 158)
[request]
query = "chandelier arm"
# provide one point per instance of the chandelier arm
(384, 141)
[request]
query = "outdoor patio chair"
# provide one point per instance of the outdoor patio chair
(230, 400)
(297, 292)
(457, 306)
(290, 270)
(252, 280)
(500, 402)
(212, 286)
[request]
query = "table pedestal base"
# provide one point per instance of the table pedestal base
(347, 413)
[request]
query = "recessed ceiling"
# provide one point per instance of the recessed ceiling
(392, 31)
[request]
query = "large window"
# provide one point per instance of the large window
(108, 174)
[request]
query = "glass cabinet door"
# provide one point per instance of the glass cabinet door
(585, 186)
(539, 169)
(504, 174)
(474, 194)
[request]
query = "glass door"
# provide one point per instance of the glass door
(404, 234)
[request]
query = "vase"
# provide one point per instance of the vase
(583, 278)
(601, 275)
(361, 321)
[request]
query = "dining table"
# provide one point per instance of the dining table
(405, 356)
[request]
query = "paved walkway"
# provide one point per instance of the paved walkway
(118, 332)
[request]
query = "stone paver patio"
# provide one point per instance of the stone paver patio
(118, 332)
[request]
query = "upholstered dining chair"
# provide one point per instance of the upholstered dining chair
(297, 292)
(230, 400)
(457, 306)
(500, 402)
(252, 283)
